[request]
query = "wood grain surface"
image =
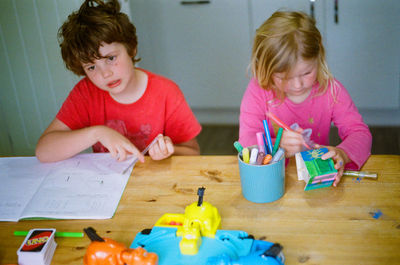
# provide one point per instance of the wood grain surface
(356, 223)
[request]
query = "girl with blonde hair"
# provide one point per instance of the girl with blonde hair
(291, 79)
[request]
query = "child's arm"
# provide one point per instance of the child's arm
(190, 147)
(59, 142)
(354, 133)
(164, 148)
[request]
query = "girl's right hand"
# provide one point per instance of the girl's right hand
(292, 142)
(118, 145)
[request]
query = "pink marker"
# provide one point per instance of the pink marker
(260, 142)
(278, 121)
(283, 125)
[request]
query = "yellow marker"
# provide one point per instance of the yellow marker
(246, 155)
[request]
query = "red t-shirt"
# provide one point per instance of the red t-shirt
(161, 109)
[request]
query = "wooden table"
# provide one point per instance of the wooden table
(356, 223)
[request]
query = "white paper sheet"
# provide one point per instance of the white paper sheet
(87, 186)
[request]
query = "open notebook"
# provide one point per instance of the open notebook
(87, 186)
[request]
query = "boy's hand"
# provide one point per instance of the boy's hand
(162, 148)
(292, 142)
(340, 159)
(118, 145)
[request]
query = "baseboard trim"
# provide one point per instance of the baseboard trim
(217, 116)
(381, 117)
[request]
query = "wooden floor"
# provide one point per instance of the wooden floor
(218, 139)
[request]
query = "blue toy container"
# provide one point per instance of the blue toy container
(190, 238)
(262, 183)
(229, 247)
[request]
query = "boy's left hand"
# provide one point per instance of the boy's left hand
(340, 159)
(162, 148)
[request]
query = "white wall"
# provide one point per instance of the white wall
(34, 81)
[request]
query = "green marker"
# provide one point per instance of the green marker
(277, 141)
(238, 146)
(58, 234)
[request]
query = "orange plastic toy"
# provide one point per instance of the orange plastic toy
(110, 252)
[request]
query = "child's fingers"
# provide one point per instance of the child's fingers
(337, 180)
(121, 154)
(293, 141)
(329, 154)
(162, 148)
(338, 164)
(299, 130)
(337, 158)
(162, 145)
(139, 156)
(338, 177)
(113, 153)
(155, 152)
(165, 146)
(156, 147)
(294, 134)
(169, 145)
(151, 152)
(134, 151)
(292, 138)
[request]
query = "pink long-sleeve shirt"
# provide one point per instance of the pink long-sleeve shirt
(317, 112)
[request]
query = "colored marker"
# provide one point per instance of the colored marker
(277, 155)
(260, 158)
(278, 121)
(361, 174)
(238, 146)
(277, 141)
(58, 234)
(267, 159)
(260, 142)
(265, 144)
(246, 155)
(268, 136)
(283, 125)
(253, 156)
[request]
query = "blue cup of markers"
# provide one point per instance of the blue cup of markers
(262, 183)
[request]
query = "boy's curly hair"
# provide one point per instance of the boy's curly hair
(85, 30)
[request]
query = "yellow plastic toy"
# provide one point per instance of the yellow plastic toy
(200, 219)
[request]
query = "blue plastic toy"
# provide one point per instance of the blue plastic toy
(193, 238)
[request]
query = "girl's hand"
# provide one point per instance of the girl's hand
(340, 159)
(292, 142)
(162, 148)
(118, 145)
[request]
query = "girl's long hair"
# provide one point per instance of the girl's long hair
(280, 41)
